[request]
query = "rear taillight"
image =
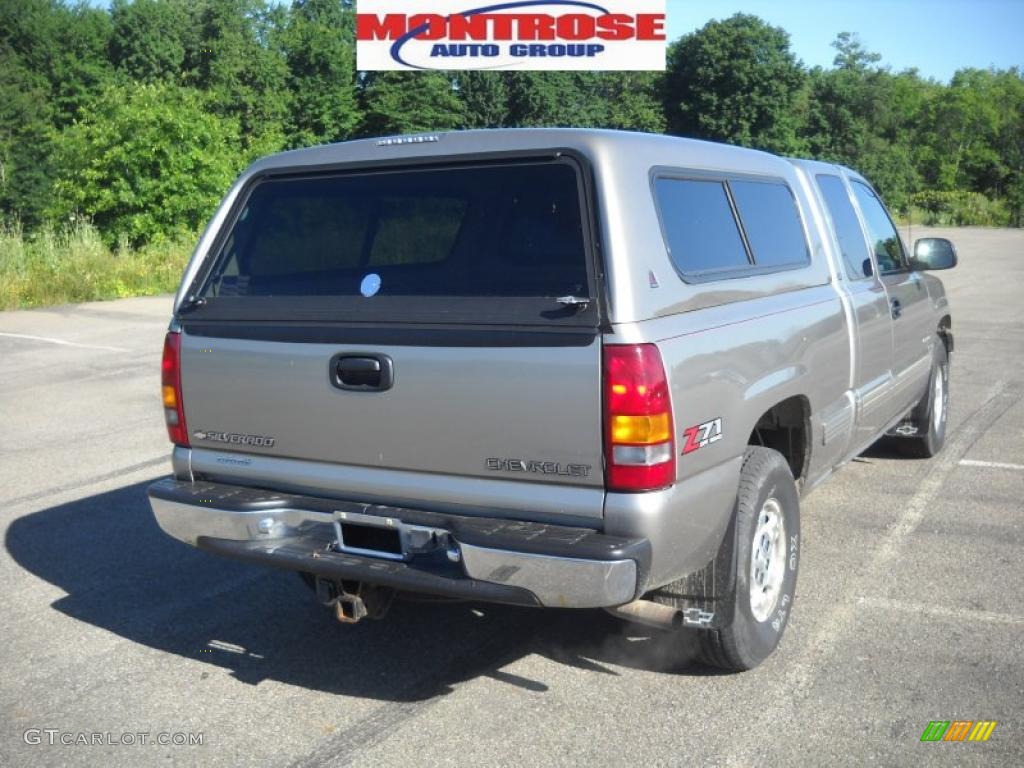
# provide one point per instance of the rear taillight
(170, 380)
(639, 443)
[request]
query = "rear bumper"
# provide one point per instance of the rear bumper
(475, 558)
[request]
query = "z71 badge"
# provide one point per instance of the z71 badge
(702, 435)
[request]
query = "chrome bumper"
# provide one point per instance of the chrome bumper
(477, 558)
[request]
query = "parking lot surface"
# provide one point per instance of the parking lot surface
(909, 607)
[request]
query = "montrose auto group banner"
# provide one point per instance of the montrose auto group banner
(515, 35)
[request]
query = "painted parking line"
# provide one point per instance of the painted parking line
(991, 464)
(61, 342)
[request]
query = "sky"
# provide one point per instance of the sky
(937, 37)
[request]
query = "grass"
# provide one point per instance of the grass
(73, 264)
(958, 208)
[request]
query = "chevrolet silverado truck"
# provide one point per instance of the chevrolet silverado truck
(551, 368)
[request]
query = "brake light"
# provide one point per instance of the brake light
(639, 443)
(170, 380)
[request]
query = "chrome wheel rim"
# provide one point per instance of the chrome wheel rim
(939, 408)
(767, 560)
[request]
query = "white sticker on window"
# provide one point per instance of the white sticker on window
(370, 285)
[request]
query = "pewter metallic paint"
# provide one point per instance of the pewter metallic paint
(733, 349)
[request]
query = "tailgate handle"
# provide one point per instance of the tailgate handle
(362, 373)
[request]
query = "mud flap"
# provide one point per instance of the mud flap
(706, 597)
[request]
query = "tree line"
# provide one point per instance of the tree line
(137, 117)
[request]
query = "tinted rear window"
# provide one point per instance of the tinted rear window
(769, 215)
(488, 231)
(847, 226)
(699, 225)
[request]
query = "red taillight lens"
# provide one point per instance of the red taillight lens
(640, 450)
(170, 381)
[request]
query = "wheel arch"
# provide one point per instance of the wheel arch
(945, 331)
(786, 427)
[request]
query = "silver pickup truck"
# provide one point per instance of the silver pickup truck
(552, 368)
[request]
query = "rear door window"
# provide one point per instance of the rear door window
(846, 224)
(882, 233)
(496, 231)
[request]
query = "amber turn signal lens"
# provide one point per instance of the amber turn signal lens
(170, 397)
(641, 430)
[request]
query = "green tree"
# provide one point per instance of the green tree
(554, 99)
(52, 61)
(145, 161)
(410, 102)
(735, 80)
(963, 123)
(25, 119)
(851, 54)
(76, 53)
(862, 115)
(1010, 143)
(319, 45)
(65, 45)
(630, 101)
(25, 113)
(259, 75)
(148, 38)
(625, 100)
(485, 99)
(235, 58)
(839, 120)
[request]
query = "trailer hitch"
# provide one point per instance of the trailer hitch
(354, 601)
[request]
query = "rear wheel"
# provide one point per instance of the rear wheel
(931, 413)
(765, 563)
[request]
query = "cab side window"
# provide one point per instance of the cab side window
(881, 232)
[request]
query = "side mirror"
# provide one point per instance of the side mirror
(931, 253)
(866, 268)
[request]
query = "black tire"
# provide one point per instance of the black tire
(746, 639)
(931, 431)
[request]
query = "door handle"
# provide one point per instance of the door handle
(897, 309)
(362, 373)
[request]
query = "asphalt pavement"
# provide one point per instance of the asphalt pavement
(909, 607)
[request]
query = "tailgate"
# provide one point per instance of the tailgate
(422, 319)
(531, 413)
